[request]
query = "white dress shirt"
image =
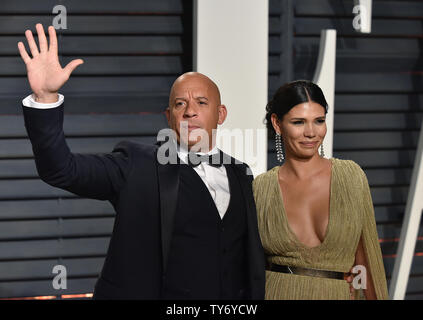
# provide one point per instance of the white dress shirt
(215, 178)
(30, 102)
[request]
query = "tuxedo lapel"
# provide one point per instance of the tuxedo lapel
(254, 247)
(168, 187)
(245, 182)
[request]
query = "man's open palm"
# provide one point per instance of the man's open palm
(45, 74)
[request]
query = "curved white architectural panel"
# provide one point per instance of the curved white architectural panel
(410, 228)
(231, 47)
(324, 77)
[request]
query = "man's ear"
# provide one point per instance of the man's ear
(222, 113)
(167, 113)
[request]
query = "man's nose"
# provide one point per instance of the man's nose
(190, 111)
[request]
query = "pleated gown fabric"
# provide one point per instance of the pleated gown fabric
(351, 215)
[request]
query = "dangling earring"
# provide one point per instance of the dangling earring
(322, 152)
(279, 150)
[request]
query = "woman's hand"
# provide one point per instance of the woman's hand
(349, 278)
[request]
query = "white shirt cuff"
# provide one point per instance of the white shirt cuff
(31, 103)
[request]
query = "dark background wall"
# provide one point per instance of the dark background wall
(133, 50)
(378, 97)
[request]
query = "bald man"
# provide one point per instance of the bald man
(182, 230)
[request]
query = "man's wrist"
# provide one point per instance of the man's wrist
(46, 98)
(30, 102)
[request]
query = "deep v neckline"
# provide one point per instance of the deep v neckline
(330, 218)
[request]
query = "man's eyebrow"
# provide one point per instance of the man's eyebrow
(178, 98)
(201, 98)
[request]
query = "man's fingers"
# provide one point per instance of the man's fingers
(72, 66)
(53, 39)
(31, 43)
(41, 37)
(25, 57)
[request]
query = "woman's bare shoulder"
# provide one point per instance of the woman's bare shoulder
(349, 169)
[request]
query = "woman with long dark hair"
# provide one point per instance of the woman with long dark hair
(315, 215)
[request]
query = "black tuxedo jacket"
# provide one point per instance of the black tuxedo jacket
(144, 196)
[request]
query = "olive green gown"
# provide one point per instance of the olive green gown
(351, 216)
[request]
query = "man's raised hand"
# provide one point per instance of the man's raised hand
(45, 74)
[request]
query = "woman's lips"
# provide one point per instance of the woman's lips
(308, 144)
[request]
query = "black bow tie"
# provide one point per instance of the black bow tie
(214, 160)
